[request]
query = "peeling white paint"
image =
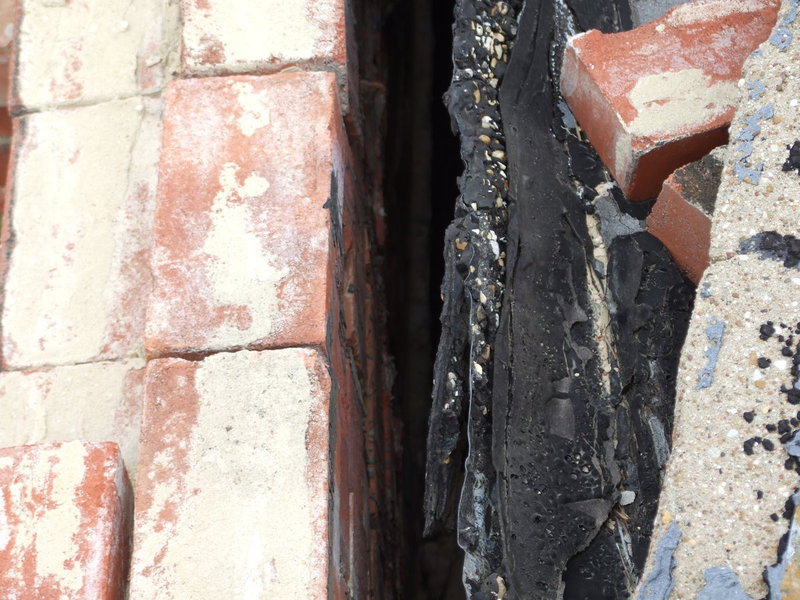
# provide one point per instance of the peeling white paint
(678, 101)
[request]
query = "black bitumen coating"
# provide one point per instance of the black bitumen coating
(520, 400)
(774, 246)
(793, 161)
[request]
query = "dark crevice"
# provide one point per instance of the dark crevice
(421, 166)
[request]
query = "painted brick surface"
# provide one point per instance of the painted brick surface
(232, 489)
(242, 238)
(681, 217)
(96, 402)
(77, 233)
(6, 37)
(252, 36)
(662, 95)
(64, 522)
(79, 51)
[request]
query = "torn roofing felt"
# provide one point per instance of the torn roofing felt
(554, 378)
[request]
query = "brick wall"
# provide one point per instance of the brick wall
(189, 271)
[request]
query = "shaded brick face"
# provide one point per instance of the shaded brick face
(242, 235)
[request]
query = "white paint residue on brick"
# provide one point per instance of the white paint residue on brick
(239, 35)
(58, 523)
(244, 520)
(87, 402)
(78, 222)
(255, 107)
(241, 274)
(701, 11)
(64, 61)
(678, 100)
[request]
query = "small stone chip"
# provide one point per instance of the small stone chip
(763, 362)
(749, 416)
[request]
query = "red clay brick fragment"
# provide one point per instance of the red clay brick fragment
(681, 217)
(662, 95)
(64, 522)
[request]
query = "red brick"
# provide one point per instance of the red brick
(252, 36)
(243, 219)
(65, 517)
(681, 217)
(78, 52)
(77, 275)
(94, 402)
(233, 483)
(662, 95)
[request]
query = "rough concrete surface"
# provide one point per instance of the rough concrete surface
(755, 193)
(712, 484)
(730, 478)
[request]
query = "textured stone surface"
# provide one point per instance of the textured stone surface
(97, 402)
(77, 234)
(64, 522)
(755, 193)
(233, 478)
(681, 217)
(79, 51)
(243, 218)
(255, 36)
(721, 486)
(662, 95)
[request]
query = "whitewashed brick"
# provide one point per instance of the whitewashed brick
(97, 402)
(84, 51)
(80, 220)
(232, 489)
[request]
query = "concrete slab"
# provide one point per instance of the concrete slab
(755, 193)
(721, 485)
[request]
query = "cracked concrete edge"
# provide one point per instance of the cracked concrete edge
(725, 499)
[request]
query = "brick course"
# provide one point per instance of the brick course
(77, 233)
(233, 478)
